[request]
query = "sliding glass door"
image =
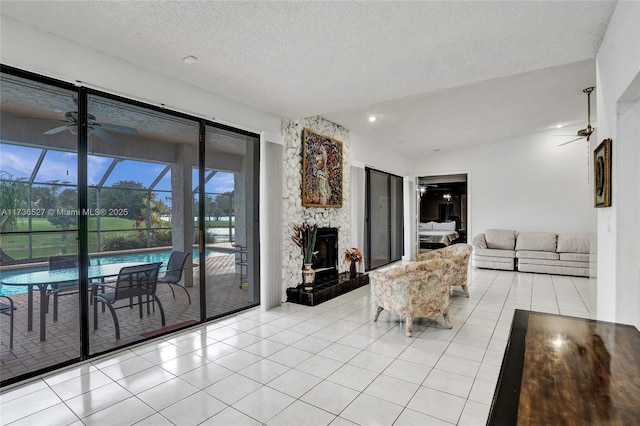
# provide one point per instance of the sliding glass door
(139, 164)
(38, 227)
(229, 225)
(384, 216)
(120, 222)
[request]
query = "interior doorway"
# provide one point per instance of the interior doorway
(442, 211)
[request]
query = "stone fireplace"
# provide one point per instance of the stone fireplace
(329, 282)
(337, 220)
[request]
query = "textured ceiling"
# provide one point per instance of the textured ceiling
(439, 74)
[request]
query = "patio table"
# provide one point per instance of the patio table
(43, 279)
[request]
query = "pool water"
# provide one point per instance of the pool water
(142, 257)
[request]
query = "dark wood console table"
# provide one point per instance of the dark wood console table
(325, 291)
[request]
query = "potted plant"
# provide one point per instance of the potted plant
(304, 236)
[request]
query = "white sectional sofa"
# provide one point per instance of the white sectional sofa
(541, 252)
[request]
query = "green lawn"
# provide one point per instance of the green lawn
(106, 223)
(48, 244)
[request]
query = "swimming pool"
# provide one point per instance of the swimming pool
(141, 257)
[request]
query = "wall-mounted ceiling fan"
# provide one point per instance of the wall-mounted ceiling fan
(586, 132)
(95, 128)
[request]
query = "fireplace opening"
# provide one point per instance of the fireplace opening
(325, 259)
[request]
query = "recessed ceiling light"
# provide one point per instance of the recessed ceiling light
(372, 118)
(189, 60)
(558, 126)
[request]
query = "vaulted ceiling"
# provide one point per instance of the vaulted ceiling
(437, 75)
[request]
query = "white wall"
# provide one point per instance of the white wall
(384, 159)
(526, 183)
(390, 161)
(618, 92)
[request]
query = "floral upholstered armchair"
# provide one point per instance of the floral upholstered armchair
(414, 290)
(459, 254)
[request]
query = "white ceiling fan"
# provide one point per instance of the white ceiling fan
(586, 132)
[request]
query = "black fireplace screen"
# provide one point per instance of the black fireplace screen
(325, 259)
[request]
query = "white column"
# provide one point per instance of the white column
(182, 208)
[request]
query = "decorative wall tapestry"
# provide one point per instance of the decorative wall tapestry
(321, 170)
(602, 173)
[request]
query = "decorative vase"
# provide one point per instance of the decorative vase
(352, 269)
(308, 276)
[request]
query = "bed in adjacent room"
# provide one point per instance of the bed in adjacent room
(437, 234)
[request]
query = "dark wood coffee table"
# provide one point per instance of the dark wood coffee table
(560, 370)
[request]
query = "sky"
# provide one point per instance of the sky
(19, 162)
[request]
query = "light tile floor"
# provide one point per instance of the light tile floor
(298, 365)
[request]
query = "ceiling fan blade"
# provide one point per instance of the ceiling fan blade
(103, 135)
(117, 128)
(55, 130)
(568, 142)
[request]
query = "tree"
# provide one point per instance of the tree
(157, 209)
(66, 210)
(44, 197)
(125, 195)
(211, 208)
(13, 195)
(225, 203)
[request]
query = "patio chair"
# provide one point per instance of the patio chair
(173, 275)
(8, 309)
(132, 282)
(62, 288)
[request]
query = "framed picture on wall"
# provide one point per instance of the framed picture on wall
(602, 174)
(321, 170)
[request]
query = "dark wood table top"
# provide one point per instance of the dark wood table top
(560, 370)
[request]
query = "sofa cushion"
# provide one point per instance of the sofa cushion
(504, 239)
(478, 242)
(494, 253)
(548, 262)
(580, 257)
(573, 243)
(493, 263)
(529, 254)
(557, 270)
(537, 241)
